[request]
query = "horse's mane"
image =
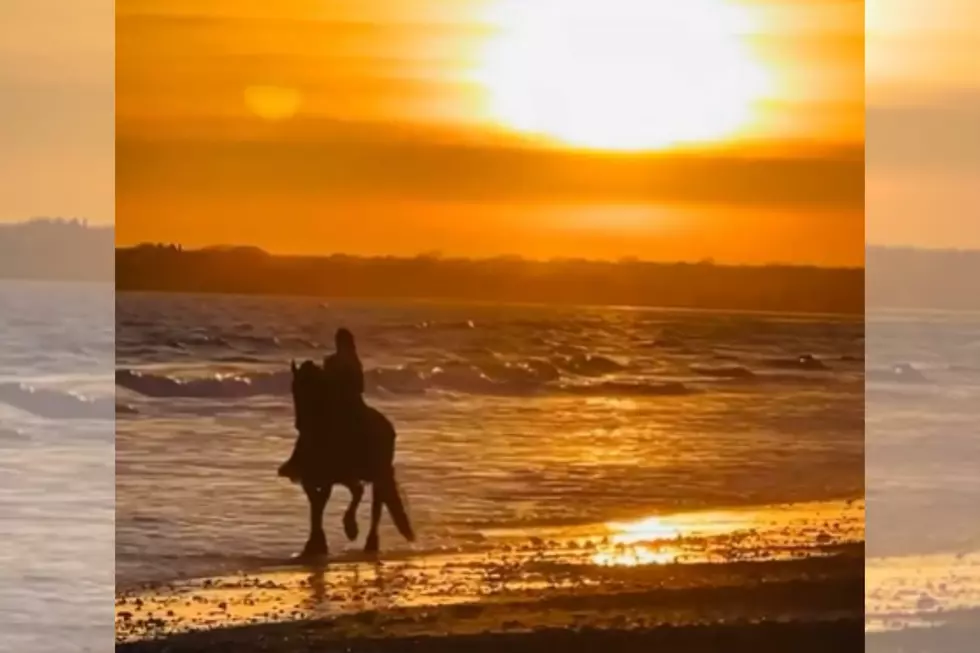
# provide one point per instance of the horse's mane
(307, 389)
(308, 371)
(310, 380)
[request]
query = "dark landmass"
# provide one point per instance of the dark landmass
(908, 278)
(245, 270)
(897, 278)
(56, 250)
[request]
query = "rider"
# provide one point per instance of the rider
(345, 375)
(345, 383)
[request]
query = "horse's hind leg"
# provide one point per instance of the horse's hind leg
(372, 545)
(316, 544)
(350, 516)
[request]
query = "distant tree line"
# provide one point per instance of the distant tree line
(247, 270)
(908, 278)
(66, 249)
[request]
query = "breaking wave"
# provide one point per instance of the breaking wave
(483, 374)
(571, 374)
(899, 373)
(55, 404)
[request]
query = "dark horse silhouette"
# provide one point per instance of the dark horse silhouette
(367, 458)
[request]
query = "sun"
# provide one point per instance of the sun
(273, 103)
(621, 74)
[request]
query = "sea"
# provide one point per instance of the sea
(509, 417)
(512, 417)
(923, 470)
(56, 466)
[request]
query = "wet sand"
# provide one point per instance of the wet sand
(923, 603)
(958, 635)
(922, 590)
(843, 636)
(783, 578)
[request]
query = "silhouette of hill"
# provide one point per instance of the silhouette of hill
(909, 278)
(248, 270)
(56, 249)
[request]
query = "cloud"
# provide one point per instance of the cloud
(935, 133)
(397, 162)
(923, 158)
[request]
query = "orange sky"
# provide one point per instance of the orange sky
(923, 142)
(401, 126)
(56, 109)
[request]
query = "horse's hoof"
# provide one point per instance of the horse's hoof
(372, 545)
(312, 554)
(315, 549)
(350, 529)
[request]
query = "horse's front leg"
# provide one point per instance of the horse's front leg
(372, 545)
(316, 545)
(350, 517)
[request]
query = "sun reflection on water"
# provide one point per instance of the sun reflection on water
(724, 535)
(654, 540)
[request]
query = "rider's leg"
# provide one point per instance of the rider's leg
(291, 469)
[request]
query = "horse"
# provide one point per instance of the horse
(369, 459)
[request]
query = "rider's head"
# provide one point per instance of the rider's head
(344, 341)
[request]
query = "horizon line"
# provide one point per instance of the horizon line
(502, 257)
(88, 223)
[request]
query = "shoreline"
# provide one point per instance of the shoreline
(649, 580)
(750, 606)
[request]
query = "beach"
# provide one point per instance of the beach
(923, 542)
(838, 635)
(748, 575)
(624, 473)
(795, 574)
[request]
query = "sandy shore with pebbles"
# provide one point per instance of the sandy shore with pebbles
(780, 578)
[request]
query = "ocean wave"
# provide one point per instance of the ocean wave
(218, 386)
(570, 374)
(665, 342)
(804, 370)
(428, 324)
(804, 362)
(55, 404)
(238, 339)
(900, 373)
(723, 371)
(11, 435)
(625, 389)
(588, 364)
(963, 369)
(233, 342)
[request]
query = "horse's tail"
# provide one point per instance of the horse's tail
(387, 486)
(385, 483)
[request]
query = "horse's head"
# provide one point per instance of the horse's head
(308, 394)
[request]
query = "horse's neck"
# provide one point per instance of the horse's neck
(317, 430)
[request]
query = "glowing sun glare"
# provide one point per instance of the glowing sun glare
(621, 74)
